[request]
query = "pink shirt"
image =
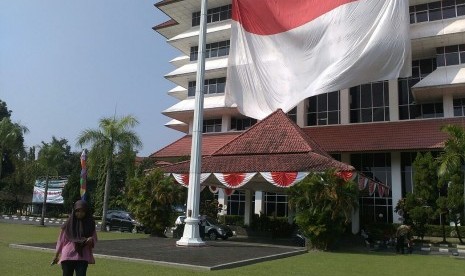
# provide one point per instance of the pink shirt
(67, 252)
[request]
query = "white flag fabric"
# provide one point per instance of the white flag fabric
(285, 51)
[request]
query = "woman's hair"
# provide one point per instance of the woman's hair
(78, 229)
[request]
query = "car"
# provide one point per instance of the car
(122, 221)
(213, 229)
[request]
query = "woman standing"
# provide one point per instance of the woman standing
(76, 241)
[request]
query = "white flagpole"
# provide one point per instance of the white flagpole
(191, 235)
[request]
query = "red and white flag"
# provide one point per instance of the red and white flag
(285, 51)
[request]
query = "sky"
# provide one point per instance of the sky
(66, 64)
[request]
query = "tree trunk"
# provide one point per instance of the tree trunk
(443, 218)
(105, 197)
(44, 203)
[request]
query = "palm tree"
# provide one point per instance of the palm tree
(113, 135)
(11, 138)
(50, 157)
(453, 157)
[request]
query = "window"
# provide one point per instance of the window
(369, 102)
(275, 204)
(211, 86)
(242, 123)
(376, 166)
(236, 203)
(408, 109)
(324, 109)
(212, 125)
(406, 161)
(436, 11)
(450, 55)
(459, 107)
(292, 114)
(213, 15)
(216, 49)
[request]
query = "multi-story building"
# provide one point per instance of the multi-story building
(376, 127)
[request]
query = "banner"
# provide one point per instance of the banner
(54, 193)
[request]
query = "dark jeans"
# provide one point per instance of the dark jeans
(69, 267)
(400, 244)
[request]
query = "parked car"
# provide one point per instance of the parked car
(122, 221)
(213, 229)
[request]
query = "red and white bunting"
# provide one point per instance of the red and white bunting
(362, 182)
(228, 192)
(381, 190)
(387, 191)
(213, 189)
(234, 180)
(183, 178)
(371, 187)
(284, 179)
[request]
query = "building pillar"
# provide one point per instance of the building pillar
(248, 207)
(225, 123)
(448, 105)
(345, 106)
(396, 185)
(393, 100)
(223, 200)
(301, 113)
(259, 202)
(355, 218)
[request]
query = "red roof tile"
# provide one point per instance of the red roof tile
(274, 134)
(384, 136)
(182, 147)
(274, 144)
(308, 162)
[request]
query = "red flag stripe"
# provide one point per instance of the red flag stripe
(279, 16)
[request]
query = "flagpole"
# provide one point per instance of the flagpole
(191, 235)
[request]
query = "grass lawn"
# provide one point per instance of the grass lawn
(25, 262)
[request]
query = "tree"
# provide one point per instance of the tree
(51, 157)
(419, 207)
(151, 199)
(324, 204)
(451, 160)
(11, 139)
(113, 135)
(4, 112)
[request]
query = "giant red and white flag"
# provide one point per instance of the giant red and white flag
(283, 51)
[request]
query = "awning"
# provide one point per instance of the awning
(443, 80)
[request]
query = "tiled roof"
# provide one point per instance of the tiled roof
(383, 136)
(410, 135)
(309, 162)
(273, 144)
(182, 147)
(274, 134)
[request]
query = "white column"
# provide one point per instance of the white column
(345, 106)
(225, 123)
(259, 201)
(355, 218)
(301, 113)
(248, 207)
(448, 105)
(393, 100)
(396, 185)
(223, 200)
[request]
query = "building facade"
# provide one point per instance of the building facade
(376, 127)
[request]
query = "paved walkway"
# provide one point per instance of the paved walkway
(163, 251)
